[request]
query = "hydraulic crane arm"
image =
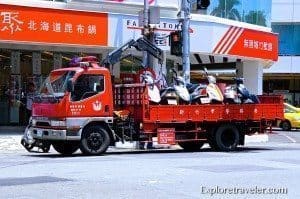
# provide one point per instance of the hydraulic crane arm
(141, 44)
(115, 55)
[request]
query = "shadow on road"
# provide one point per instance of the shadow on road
(154, 151)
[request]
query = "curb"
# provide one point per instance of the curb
(12, 130)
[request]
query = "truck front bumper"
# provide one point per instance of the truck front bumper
(54, 134)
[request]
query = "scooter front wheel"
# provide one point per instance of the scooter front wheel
(27, 146)
(46, 148)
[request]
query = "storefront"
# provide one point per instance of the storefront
(35, 40)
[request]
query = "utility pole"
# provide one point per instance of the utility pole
(146, 31)
(151, 15)
(184, 18)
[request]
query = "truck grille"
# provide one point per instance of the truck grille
(42, 124)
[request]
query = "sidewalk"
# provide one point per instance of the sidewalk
(10, 143)
(10, 139)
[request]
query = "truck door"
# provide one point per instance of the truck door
(89, 98)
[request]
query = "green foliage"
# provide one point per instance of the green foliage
(226, 9)
(256, 17)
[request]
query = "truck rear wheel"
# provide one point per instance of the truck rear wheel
(65, 148)
(226, 138)
(191, 146)
(94, 141)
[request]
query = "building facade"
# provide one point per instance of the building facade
(284, 76)
(38, 36)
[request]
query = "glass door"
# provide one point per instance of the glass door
(5, 66)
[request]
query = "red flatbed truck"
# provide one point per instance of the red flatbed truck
(80, 107)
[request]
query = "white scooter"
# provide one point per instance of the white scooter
(214, 93)
(205, 94)
(152, 89)
(177, 93)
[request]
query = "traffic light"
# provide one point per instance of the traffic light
(176, 43)
(202, 4)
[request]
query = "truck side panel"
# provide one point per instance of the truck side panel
(133, 97)
(212, 112)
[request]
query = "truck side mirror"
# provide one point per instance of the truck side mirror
(70, 86)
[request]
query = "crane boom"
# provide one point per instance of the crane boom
(141, 44)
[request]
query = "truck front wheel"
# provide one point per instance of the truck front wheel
(66, 148)
(226, 138)
(191, 146)
(94, 141)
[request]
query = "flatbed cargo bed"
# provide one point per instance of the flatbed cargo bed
(134, 98)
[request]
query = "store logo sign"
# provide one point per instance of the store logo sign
(56, 26)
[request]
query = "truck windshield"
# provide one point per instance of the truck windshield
(55, 85)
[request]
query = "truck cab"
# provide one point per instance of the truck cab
(69, 100)
(74, 108)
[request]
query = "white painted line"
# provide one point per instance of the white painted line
(291, 139)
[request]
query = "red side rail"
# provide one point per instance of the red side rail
(130, 97)
(270, 108)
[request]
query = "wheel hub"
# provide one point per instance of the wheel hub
(95, 141)
(228, 138)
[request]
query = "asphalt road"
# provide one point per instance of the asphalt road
(259, 170)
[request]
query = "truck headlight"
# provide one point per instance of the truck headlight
(58, 123)
(297, 118)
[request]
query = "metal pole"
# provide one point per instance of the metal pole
(185, 12)
(146, 31)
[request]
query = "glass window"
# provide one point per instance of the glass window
(289, 109)
(251, 11)
(289, 41)
(87, 86)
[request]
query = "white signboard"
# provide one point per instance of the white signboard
(125, 27)
(160, 3)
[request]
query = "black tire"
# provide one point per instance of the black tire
(46, 148)
(94, 140)
(286, 125)
(226, 138)
(28, 147)
(65, 148)
(191, 146)
(211, 138)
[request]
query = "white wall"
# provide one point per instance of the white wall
(285, 64)
(285, 11)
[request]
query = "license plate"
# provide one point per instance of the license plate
(205, 100)
(39, 133)
(172, 101)
(166, 135)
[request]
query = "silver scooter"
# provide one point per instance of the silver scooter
(238, 93)
(29, 142)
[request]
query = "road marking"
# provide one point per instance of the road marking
(291, 139)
